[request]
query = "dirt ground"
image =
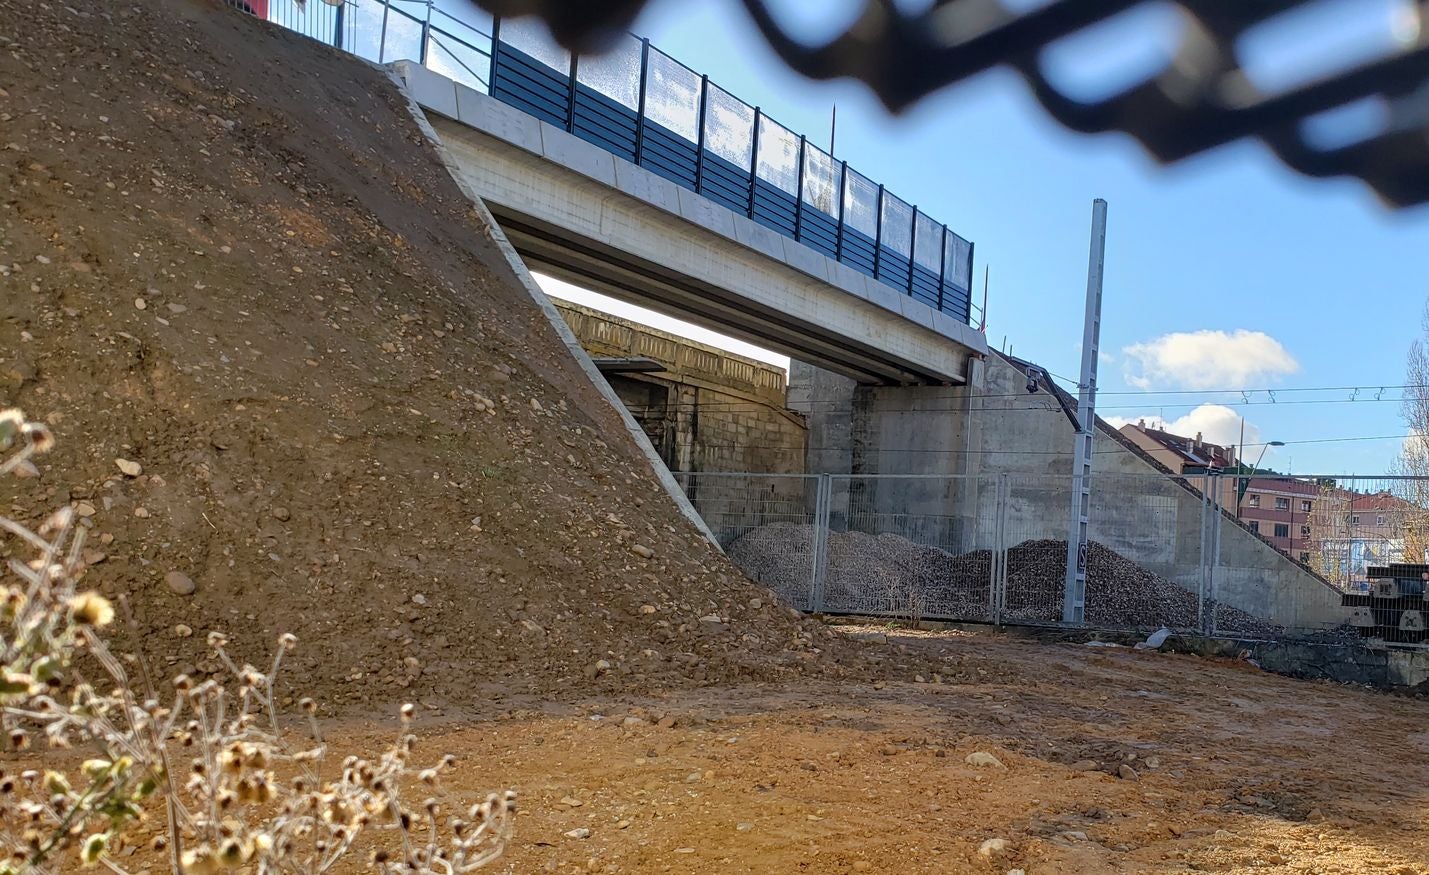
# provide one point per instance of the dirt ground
(1236, 770)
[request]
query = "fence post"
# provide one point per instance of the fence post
(640, 111)
(799, 187)
(1201, 561)
(878, 237)
(1215, 551)
(700, 117)
(338, 16)
(822, 493)
(426, 35)
(495, 49)
(571, 93)
(943, 270)
(382, 34)
(972, 248)
(754, 162)
(912, 247)
(999, 554)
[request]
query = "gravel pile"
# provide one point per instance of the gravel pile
(866, 573)
(888, 573)
(1120, 593)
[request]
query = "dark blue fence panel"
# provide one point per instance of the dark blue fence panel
(604, 122)
(858, 250)
(956, 302)
(926, 287)
(876, 234)
(819, 231)
(893, 268)
(725, 183)
(531, 86)
(774, 207)
(668, 155)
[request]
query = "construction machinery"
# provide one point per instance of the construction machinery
(1395, 609)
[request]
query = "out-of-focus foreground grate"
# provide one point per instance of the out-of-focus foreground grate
(1367, 117)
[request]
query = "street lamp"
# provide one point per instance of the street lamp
(1263, 449)
(1245, 480)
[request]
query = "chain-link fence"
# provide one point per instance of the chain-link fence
(1264, 556)
(767, 523)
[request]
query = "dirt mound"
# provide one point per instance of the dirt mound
(231, 258)
(889, 573)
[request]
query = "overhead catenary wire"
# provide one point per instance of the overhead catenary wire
(955, 452)
(838, 405)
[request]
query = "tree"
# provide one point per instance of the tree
(1413, 459)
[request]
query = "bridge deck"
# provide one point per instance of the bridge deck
(575, 210)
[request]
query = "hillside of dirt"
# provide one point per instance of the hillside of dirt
(297, 389)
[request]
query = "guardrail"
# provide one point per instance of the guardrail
(644, 106)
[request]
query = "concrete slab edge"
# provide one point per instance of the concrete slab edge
(523, 276)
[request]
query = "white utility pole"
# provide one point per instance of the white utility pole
(1074, 598)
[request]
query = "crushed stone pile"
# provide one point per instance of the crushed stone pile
(865, 572)
(297, 389)
(881, 573)
(1120, 593)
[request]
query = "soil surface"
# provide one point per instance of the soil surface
(228, 257)
(1235, 771)
(1232, 770)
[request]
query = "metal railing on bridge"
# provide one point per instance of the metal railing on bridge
(644, 106)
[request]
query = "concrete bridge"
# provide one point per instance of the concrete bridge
(718, 216)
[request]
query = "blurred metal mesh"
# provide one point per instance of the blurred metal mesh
(1204, 98)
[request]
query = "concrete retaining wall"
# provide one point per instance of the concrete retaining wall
(1350, 663)
(995, 435)
(1138, 509)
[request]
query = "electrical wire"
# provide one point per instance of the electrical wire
(894, 451)
(840, 406)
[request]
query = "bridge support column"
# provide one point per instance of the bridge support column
(917, 430)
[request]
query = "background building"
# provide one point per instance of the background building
(1282, 510)
(1185, 455)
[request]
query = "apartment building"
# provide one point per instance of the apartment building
(1283, 511)
(1279, 509)
(1185, 455)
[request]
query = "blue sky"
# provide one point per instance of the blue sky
(1302, 283)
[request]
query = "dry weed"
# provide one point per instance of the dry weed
(211, 755)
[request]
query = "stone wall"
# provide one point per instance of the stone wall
(706, 410)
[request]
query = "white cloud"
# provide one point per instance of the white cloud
(1207, 360)
(1216, 423)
